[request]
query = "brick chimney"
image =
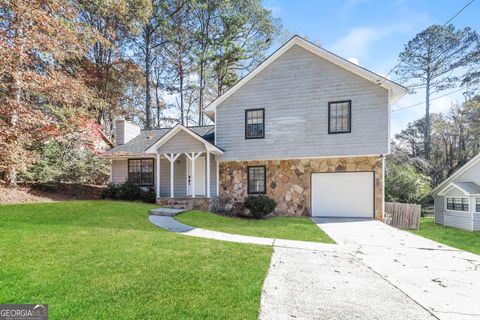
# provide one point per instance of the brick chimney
(125, 131)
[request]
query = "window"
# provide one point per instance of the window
(478, 205)
(140, 172)
(256, 180)
(254, 123)
(339, 116)
(458, 204)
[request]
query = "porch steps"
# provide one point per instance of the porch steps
(201, 203)
(168, 212)
(182, 204)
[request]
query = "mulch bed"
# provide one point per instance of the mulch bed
(48, 192)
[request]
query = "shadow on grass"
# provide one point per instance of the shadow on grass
(86, 213)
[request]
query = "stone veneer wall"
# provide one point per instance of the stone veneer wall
(288, 181)
(189, 203)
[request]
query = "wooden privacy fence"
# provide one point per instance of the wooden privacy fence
(402, 215)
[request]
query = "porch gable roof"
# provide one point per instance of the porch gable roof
(180, 128)
(139, 145)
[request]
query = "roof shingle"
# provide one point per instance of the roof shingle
(148, 137)
(468, 186)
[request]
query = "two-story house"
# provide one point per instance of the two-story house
(306, 127)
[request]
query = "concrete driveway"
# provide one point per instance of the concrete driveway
(311, 284)
(443, 280)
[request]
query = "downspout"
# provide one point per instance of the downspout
(383, 186)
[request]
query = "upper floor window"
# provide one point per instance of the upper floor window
(140, 172)
(458, 204)
(340, 116)
(256, 179)
(254, 123)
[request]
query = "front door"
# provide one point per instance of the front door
(199, 176)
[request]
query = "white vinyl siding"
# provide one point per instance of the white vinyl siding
(119, 171)
(458, 219)
(472, 174)
(182, 142)
(476, 221)
(439, 206)
(295, 91)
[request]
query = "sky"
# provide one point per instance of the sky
(373, 32)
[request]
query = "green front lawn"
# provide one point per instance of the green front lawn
(292, 228)
(465, 240)
(104, 260)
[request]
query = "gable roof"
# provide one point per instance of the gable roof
(396, 91)
(170, 134)
(468, 187)
(457, 173)
(149, 137)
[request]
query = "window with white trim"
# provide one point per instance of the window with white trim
(478, 205)
(458, 204)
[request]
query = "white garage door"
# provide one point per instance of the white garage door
(346, 194)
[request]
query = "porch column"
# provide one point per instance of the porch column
(208, 174)
(172, 157)
(158, 175)
(218, 178)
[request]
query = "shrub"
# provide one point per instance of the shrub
(149, 196)
(404, 183)
(260, 206)
(128, 191)
(110, 191)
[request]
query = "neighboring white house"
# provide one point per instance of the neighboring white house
(457, 199)
(306, 127)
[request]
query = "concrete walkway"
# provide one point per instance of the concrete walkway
(170, 224)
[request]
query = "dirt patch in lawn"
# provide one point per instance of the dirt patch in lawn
(48, 193)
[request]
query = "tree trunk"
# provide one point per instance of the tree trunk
(11, 176)
(200, 98)
(148, 120)
(157, 100)
(426, 132)
(182, 120)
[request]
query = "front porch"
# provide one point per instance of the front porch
(186, 175)
(186, 170)
(182, 166)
